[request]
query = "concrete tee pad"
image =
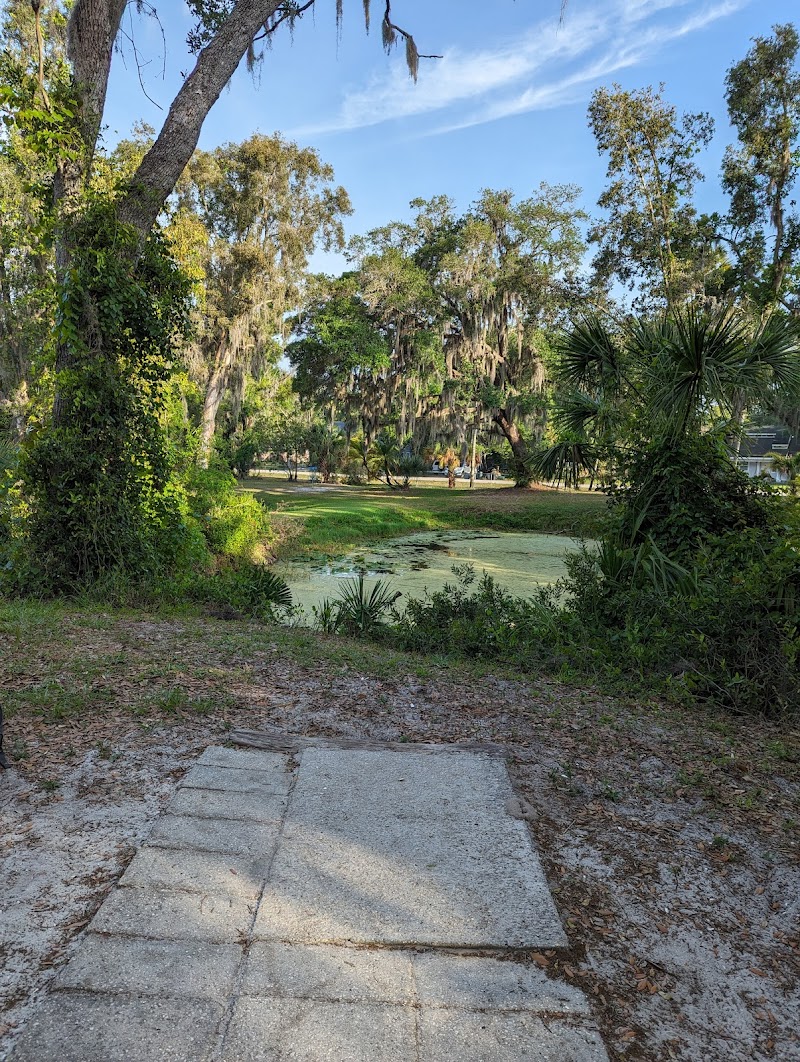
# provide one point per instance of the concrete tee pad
(406, 848)
(307, 906)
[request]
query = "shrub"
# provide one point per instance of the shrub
(234, 525)
(486, 622)
(355, 611)
(681, 491)
(354, 473)
(409, 465)
(246, 587)
(238, 452)
(727, 634)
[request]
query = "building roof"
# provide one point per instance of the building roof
(761, 441)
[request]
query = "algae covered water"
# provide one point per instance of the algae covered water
(519, 561)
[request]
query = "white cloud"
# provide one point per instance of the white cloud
(548, 67)
(571, 88)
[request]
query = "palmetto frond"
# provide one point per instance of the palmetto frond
(776, 353)
(575, 412)
(564, 462)
(589, 356)
(696, 359)
(357, 611)
(624, 565)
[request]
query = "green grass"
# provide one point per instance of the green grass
(335, 521)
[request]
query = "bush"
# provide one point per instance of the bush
(9, 458)
(238, 452)
(246, 587)
(485, 622)
(234, 525)
(728, 635)
(355, 611)
(681, 491)
(354, 473)
(410, 465)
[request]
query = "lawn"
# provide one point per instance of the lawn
(332, 520)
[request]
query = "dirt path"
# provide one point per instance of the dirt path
(670, 844)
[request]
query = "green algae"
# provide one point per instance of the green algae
(420, 562)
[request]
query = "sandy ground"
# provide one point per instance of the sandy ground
(671, 848)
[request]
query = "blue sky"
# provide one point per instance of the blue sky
(504, 108)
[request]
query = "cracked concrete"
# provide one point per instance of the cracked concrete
(309, 907)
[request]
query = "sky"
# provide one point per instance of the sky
(505, 106)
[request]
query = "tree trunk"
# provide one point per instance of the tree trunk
(519, 448)
(208, 422)
(217, 383)
(737, 420)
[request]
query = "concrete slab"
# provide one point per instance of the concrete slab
(233, 780)
(202, 872)
(213, 804)
(279, 1030)
(334, 974)
(275, 764)
(388, 848)
(411, 784)
(465, 1036)
(352, 867)
(85, 1027)
(402, 882)
(134, 966)
(163, 915)
(475, 983)
(226, 836)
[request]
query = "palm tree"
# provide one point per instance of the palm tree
(625, 385)
(448, 458)
(384, 454)
(788, 466)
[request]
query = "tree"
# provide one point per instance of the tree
(646, 386)
(762, 227)
(27, 295)
(760, 173)
(442, 326)
(97, 378)
(263, 204)
(650, 238)
(26, 284)
(384, 455)
(342, 356)
(503, 273)
(225, 32)
(327, 449)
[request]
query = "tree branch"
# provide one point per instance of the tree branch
(163, 164)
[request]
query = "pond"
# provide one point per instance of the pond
(518, 561)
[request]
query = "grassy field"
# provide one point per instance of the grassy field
(333, 520)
